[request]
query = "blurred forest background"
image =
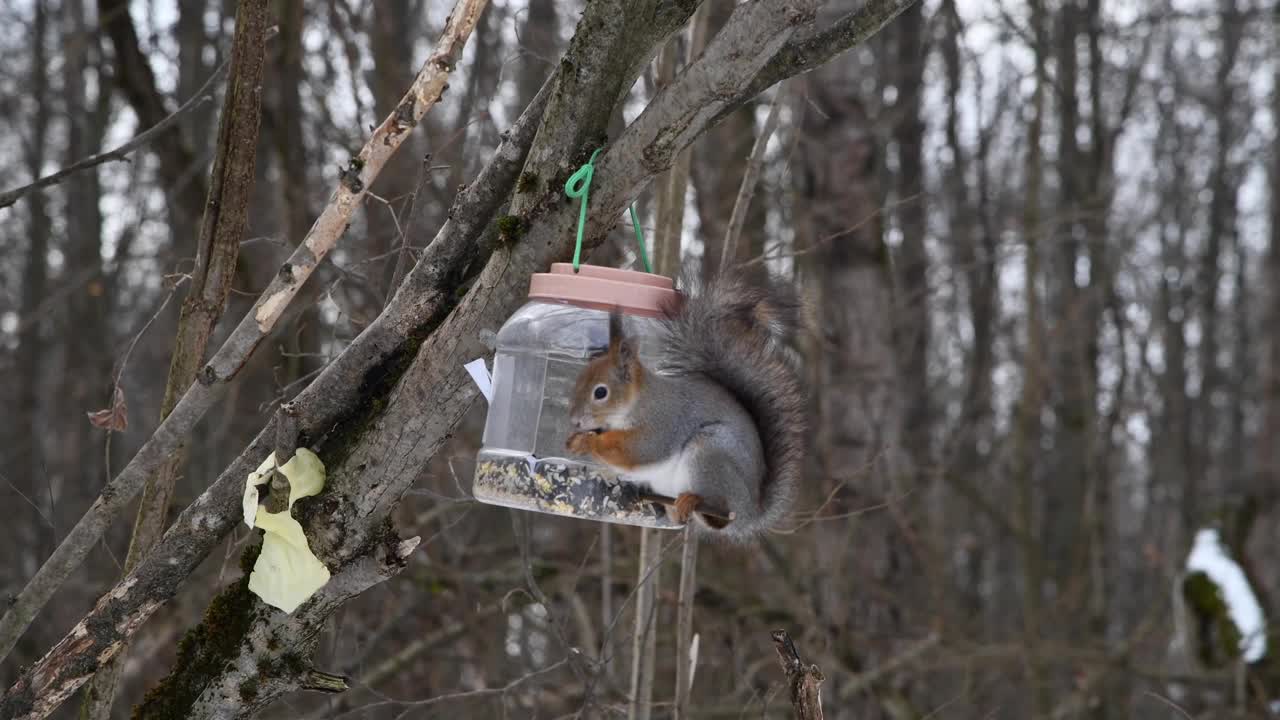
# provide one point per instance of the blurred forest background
(1043, 243)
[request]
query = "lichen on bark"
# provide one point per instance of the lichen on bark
(205, 648)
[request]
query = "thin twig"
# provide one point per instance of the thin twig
(684, 622)
(455, 697)
(643, 639)
(121, 153)
(752, 175)
(702, 507)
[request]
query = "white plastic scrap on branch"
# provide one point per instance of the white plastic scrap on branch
(481, 377)
(1210, 557)
(287, 572)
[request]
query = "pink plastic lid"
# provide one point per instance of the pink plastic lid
(604, 288)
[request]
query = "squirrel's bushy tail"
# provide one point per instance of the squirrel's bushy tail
(736, 330)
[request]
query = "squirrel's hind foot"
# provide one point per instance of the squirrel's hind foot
(684, 506)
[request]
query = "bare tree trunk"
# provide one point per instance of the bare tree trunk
(482, 82)
(134, 77)
(87, 377)
(717, 166)
(684, 623)
(1172, 449)
(540, 43)
(193, 69)
(858, 414)
(645, 634)
(221, 233)
(35, 278)
(287, 114)
(1028, 431)
(390, 44)
(1071, 388)
(729, 253)
(974, 254)
(1219, 234)
(1098, 557)
(668, 210)
(1269, 454)
(912, 272)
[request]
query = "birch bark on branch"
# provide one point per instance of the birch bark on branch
(226, 218)
(214, 378)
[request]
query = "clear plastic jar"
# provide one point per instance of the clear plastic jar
(541, 350)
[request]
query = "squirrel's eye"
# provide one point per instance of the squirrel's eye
(601, 392)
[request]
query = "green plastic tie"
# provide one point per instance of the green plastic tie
(579, 186)
(644, 253)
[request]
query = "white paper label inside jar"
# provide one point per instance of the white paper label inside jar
(481, 377)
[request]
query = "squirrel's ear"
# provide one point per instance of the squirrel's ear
(616, 335)
(622, 349)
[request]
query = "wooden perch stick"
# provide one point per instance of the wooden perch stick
(804, 684)
(702, 508)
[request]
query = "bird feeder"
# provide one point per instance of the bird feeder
(541, 350)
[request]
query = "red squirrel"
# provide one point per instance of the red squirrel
(719, 421)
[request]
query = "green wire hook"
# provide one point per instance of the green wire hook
(579, 186)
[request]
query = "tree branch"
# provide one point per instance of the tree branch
(685, 657)
(804, 54)
(226, 218)
(215, 377)
(749, 179)
(804, 684)
(134, 77)
(202, 96)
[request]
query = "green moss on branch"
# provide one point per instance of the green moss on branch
(204, 651)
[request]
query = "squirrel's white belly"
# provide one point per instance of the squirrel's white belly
(669, 477)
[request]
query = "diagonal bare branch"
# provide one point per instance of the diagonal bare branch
(803, 54)
(226, 218)
(121, 153)
(426, 296)
(215, 377)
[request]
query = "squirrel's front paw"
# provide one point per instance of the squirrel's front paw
(684, 507)
(580, 443)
